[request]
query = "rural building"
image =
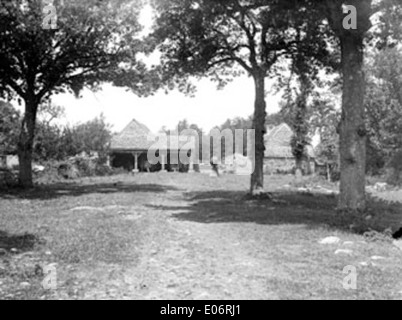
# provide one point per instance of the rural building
(278, 152)
(129, 150)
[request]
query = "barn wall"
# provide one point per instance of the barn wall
(286, 166)
(278, 165)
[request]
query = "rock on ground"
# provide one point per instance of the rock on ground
(330, 240)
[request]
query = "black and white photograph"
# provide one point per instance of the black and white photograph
(209, 153)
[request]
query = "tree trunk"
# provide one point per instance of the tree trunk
(257, 178)
(25, 144)
(352, 128)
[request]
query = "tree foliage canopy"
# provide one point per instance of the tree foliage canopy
(384, 105)
(214, 37)
(94, 41)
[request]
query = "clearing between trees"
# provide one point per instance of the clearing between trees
(175, 236)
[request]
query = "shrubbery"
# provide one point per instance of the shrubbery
(7, 179)
(85, 167)
(394, 174)
(78, 167)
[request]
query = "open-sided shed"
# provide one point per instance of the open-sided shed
(129, 150)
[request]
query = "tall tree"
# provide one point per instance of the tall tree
(324, 121)
(384, 99)
(352, 127)
(214, 38)
(296, 105)
(352, 25)
(89, 43)
(383, 106)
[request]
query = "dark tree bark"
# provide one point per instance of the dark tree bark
(26, 140)
(352, 127)
(257, 178)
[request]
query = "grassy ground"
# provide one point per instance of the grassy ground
(176, 236)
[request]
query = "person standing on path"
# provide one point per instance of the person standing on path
(214, 164)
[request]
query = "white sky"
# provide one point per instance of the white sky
(210, 107)
(207, 109)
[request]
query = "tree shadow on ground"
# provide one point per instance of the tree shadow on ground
(311, 210)
(22, 243)
(76, 190)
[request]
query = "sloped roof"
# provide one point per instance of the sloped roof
(277, 143)
(133, 137)
(279, 136)
(172, 142)
(137, 137)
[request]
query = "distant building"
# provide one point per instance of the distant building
(129, 150)
(278, 156)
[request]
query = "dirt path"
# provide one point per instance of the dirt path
(188, 260)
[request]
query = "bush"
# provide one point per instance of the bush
(394, 172)
(57, 171)
(373, 180)
(375, 159)
(335, 176)
(394, 177)
(68, 171)
(86, 167)
(7, 179)
(334, 172)
(118, 171)
(102, 170)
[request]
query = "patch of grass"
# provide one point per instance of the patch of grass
(41, 224)
(95, 238)
(279, 235)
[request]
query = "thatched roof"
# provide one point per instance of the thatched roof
(133, 137)
(137, 137)
(171, 142)
(278, 143)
